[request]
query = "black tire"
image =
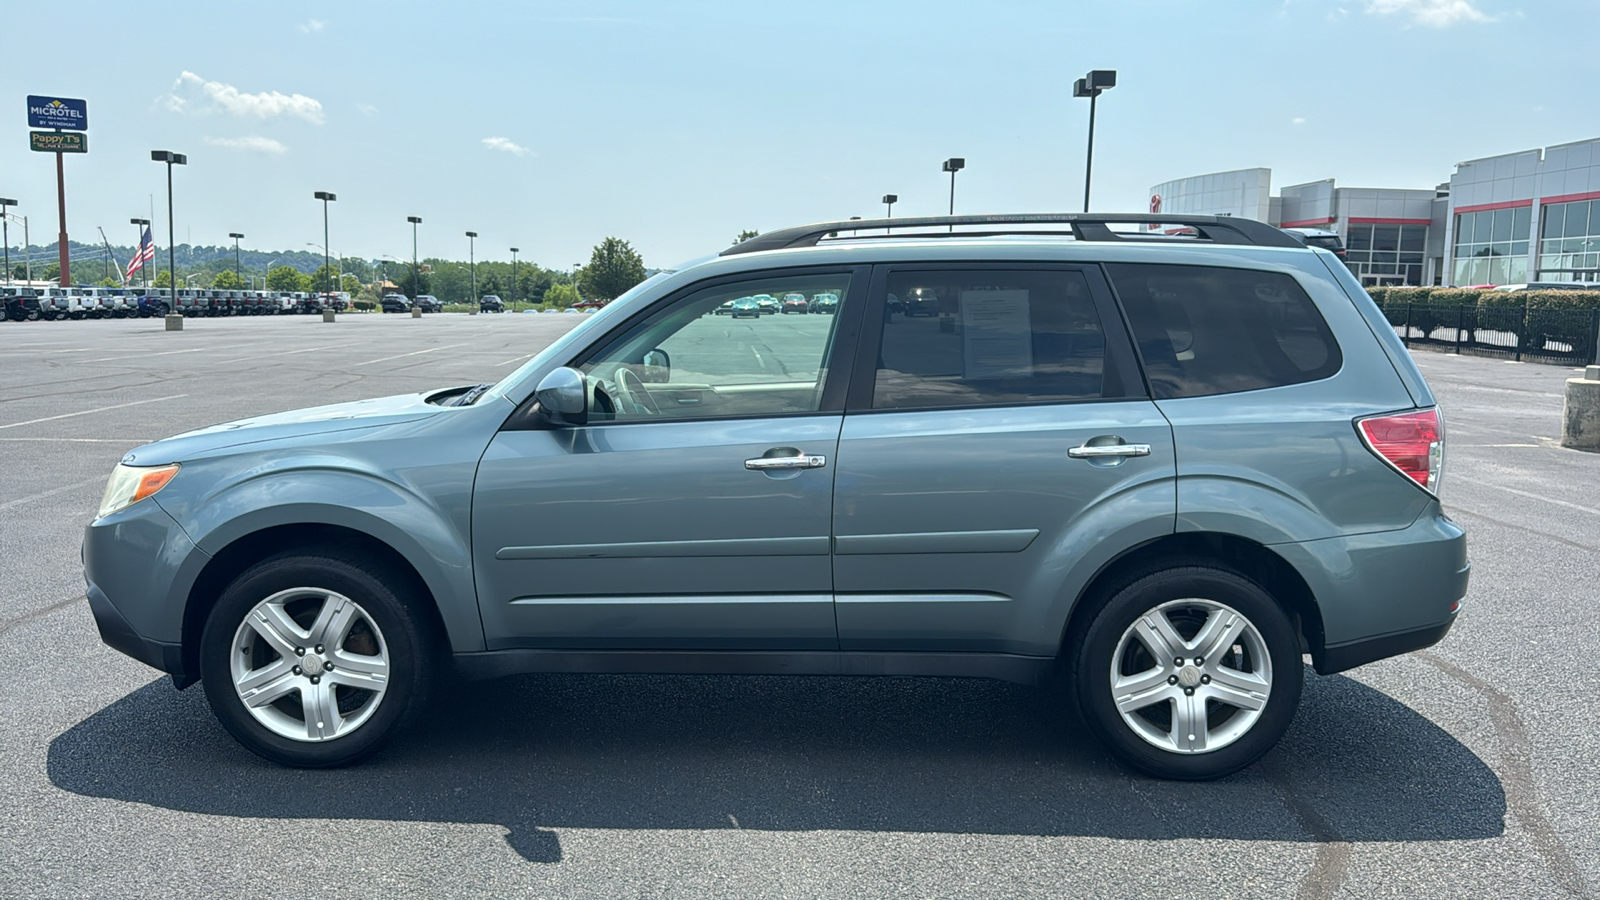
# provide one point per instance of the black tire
(407, 635)
(1091, 659)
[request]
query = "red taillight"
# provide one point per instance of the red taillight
(1412, 442)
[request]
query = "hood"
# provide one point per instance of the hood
(293, 424)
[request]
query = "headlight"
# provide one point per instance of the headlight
(130, 484)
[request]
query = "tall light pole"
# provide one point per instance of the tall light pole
(171, 159)
(513, 275)
(416, 271)
(144, 270)
(236, 235)
(5, 233)
(472, 262)
(953, 165)
(326, 197)
(1090, 86)
(889, 200)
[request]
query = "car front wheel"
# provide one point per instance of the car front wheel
(314, 661)
(1189, 673)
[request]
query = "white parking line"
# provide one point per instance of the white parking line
(1532, 496)
(60, 440)
(514, 360)
(304, 350)
(143, 355)
(51, 493)
(404, 355)
(89, 411)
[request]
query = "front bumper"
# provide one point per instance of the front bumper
(137, 564)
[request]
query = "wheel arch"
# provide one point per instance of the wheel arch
(1248, 558)
(246, 550)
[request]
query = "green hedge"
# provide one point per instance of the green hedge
(1552, 315)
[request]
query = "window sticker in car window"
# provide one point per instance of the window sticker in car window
(997, 340)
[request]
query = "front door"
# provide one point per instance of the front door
(1002, 438)
(693, 510)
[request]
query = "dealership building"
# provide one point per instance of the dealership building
(1527, 216)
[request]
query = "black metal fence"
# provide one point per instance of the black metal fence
(1563, 337)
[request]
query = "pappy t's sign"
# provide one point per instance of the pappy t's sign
(58, 142)
(58, 112)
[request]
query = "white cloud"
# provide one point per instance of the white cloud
(312, 26)
(253, 143)
(1298, 120)
(367, 109)
(1433, 13)
(228, 98)
(506, 146)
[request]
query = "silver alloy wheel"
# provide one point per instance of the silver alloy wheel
(1191, 676)
(309, 664)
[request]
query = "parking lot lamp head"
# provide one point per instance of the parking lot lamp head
(889, 200)
(5, 233)
(1090, 86)
(171, 159)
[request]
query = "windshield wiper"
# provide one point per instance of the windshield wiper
(471, 395)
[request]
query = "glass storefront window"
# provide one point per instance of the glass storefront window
(1521, 220)
(1501, 230)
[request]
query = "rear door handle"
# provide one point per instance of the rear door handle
(797, 461)
(1108, 450)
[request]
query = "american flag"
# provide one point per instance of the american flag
(147, 252)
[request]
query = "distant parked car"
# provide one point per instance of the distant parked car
(21, 304)
(769, 304)
(795, 303)
(824, 304)
(429, 303)
(394, 303)
(746, 308)
(491, 303)
(918, 302)
(727, 308)
(589, 304)
(1316, 237)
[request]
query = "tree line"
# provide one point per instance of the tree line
(613, 268)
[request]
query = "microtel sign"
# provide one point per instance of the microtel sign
(58, 112)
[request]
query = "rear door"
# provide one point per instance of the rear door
(992, 441)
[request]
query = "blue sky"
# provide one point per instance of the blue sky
(550, 125)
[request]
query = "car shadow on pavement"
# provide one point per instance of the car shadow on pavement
(537, 753)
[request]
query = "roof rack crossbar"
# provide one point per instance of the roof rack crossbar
(1084, 227)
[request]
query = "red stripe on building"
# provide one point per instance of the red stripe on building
(1305, 223)
(1356, 221)
(1570, 198)
(1485, 207)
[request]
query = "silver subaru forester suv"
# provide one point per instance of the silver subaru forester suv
(1165, 456)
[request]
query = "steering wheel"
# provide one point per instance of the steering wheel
(631, 391)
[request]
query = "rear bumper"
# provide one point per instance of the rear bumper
(1383, 594)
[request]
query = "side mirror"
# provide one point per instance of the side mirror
(657, 367)
(564, 396)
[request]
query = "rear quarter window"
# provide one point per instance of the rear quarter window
(1206, 330)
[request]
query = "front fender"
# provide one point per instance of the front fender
(430, 535)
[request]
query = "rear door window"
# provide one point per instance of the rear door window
(979, 337)
(1206, 330)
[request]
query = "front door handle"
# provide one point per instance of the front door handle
(794, 460)
(1109, 450)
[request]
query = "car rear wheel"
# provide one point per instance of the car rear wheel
(314, 661)
(1189, 673)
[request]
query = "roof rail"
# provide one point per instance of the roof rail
(1084, 227)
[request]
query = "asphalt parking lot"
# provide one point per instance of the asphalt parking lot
(1468, 770)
